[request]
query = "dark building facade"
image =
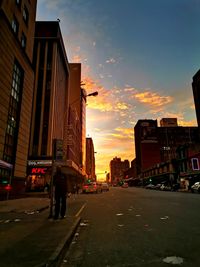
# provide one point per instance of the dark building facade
(17, 26)
(50, 101)
(75, 133)
(147, 147)
(77, 105)
(172, 137)
(117, 169)
(196, 94)
(131, 172)
(90, 159)
(154, 145)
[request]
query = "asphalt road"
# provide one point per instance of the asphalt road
(137, 227)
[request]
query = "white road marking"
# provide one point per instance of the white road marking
(81, 209)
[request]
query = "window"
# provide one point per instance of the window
(15, 25)
(18, 3)
(13, 114)
(23, 40)
(195, 164)
(25, 15)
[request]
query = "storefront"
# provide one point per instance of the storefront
(38, 175)
(5, 179)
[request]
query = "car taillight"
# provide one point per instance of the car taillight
(8, 187)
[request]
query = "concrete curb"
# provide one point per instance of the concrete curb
(43, 208)
(60, 251)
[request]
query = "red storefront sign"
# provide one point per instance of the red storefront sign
(8, 187)
(38, 170)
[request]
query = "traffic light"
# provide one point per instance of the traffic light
(8, 187)
(4, 181)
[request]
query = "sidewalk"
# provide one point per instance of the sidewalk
(35, 241)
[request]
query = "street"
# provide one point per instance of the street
(137, 227)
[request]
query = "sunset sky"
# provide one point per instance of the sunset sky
(140, 55)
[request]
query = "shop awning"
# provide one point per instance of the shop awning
(69, 167)
(5, 164)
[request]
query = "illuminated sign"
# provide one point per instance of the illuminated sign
(39, 162)
(39, 170)
(195, 164)
(8, 187)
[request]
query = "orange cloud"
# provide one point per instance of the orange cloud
(101, 106)
(187, 123)
(153, 99)
(106, 100)
(122, 106)
(128, 132)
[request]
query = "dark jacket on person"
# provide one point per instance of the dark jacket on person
(60, 183)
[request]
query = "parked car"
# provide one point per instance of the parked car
(150, 186)
(165, 187)
(124, 185)
(157, 186)
(91, 187)
(195, 187)
(104, 187)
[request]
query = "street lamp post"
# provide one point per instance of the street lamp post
(78, 99)
(70, 131)
(93, 94)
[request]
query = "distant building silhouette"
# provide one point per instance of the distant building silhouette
(168, 122)
(196, 94)
(90, 159)
(117, 169)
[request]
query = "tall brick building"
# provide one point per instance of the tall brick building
(17, 26)
(50, 100)
(154, 144)
(147, 146)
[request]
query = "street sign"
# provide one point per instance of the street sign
(57, 149)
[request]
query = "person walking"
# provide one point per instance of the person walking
(60, 184)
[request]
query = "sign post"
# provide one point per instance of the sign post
(57, 157)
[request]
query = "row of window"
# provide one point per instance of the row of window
(195, 164)
(15, 27)
(25, 12)
(13, 115)
(15, 23)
